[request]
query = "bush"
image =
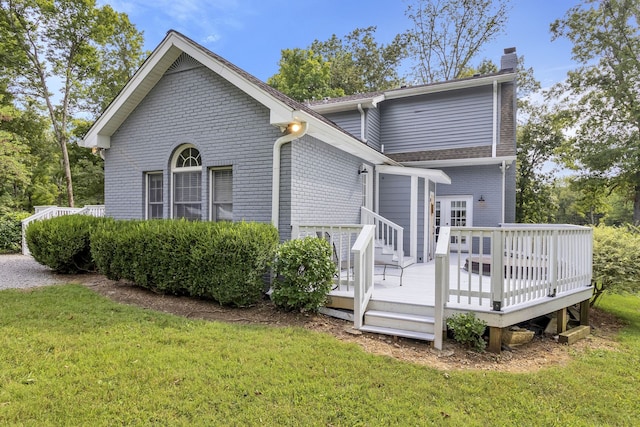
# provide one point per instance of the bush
(616, 260)
(305, 272)
(63, 243)
(221, 261)
(11, 231)
(468, 330)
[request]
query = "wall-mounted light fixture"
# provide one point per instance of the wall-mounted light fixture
(293, 127)
(363, 170)
(481, 199)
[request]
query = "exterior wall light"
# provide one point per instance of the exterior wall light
(364, 170)
(481, 199)
(294, 127)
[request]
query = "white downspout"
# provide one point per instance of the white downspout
(362, 124)
(494, 145)
(275, 184)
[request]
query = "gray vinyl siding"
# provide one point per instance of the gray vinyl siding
(347, 120)
(373, 128)
(510, 194)
(476, 181)
(198, 107)
(445, 120)
(325, 185)
(395, 202)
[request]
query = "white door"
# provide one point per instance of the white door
(454, 211)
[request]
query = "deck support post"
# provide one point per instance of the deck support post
(495, 339)
(584, 312)
(561, 318)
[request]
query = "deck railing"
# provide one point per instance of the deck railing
(353, 252)
(516, 264)
(46, 212)
(342, 239)
(388, 233)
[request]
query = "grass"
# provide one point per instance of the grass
(71, 357)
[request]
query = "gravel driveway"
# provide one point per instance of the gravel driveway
(20, 271)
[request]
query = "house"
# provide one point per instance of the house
(382, 175)
(192, 135)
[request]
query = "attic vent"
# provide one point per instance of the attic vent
(183, 63)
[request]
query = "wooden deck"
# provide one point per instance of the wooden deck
(418, 289)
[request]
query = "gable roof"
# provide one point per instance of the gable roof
(372, 99)
(283, 110)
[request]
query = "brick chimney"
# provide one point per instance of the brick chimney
(509, 60)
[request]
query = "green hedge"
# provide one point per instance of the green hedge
(11, 231)
(222, 261)
(305, 272)
(616, 259)
(63, 243)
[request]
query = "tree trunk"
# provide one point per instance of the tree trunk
(67, 172)
(636, 205)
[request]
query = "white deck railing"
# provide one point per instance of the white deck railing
(532, 262)
(353, 252)
(387, 232)
(46, 212)
(342, 239)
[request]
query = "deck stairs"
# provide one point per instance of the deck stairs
(399, 319)
(386, 254)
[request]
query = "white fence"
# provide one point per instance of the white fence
(46, 212)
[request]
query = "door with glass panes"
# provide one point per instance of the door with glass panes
(454, 211)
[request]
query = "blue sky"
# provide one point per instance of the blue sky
(251, 33)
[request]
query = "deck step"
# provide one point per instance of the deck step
(400, 321)
(398, 333)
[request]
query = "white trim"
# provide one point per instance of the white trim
(147, 176)
(334, 106)
(172, 171)
(413, 219)
(432, 174)
(479, 161)
(212, 171)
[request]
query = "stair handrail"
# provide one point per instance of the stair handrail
(363, 250)
(391, 233)
(442, 284)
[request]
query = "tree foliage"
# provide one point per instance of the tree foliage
(86, 51)
(448, 34)
(340, 66)
(603, 92)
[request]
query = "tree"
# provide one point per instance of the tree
(338, 67)
(304, 75)
(539, 139)
(67, 44)
(448, 34)
(603, 92)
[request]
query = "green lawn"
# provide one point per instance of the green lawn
(71, 357)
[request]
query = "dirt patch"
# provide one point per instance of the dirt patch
(542, 352)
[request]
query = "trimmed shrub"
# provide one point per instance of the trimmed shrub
(222, 261)
(63, 243)
(468, 330)
(11, 231)
(616, 260)
(305, 272)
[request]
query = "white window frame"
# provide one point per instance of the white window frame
(175, 170)
(367, 186)
(212, 199)
(147, 203)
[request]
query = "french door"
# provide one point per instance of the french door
(454, 211)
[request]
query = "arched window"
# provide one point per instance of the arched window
(187, 183)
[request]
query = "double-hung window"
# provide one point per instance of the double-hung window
(187, 184)
(221, 184)
(154, 195)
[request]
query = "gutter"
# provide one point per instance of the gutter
(275, 181)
